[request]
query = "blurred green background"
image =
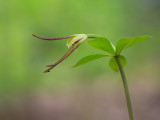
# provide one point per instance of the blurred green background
(23, 57)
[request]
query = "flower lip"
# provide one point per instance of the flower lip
(77, 37)
(57, 38)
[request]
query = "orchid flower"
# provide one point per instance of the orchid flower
(73, 43)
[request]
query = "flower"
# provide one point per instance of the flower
(73, 43)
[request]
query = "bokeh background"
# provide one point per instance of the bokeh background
(90, 92)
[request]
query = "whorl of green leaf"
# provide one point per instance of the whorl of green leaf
(104, 44)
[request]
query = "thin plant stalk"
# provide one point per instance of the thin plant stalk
(130, 112)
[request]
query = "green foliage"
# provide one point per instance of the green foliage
(125, 43)
(113, 63)
(103, 44)
(89, 59)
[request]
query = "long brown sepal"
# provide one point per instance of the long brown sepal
(57, 38)
(64, 57)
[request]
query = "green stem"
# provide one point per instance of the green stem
(125, 88)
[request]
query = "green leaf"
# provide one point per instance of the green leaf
(125, 43)
(89, 59)
(113, 63)
(103, 44)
